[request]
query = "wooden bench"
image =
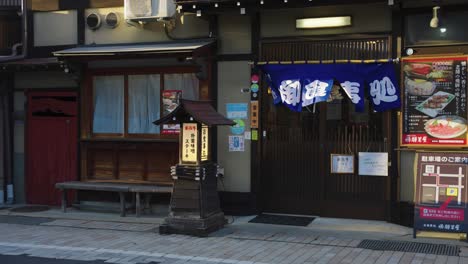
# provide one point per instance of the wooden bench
(120, 188)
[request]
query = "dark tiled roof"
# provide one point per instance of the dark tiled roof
(201, 111)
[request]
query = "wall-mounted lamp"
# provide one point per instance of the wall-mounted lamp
(409, 51)
(323, 22)
(435, 19)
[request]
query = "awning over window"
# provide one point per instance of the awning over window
(135, 49)
(298, 86)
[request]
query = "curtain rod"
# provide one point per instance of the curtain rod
(397, 60)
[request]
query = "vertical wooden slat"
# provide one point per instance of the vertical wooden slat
(126, 101)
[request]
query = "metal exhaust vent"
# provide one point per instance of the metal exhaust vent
(93, 21)
(112, 20)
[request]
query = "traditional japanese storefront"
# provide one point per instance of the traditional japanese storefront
(338, 117)
(86, 113)
(120, 99)
(299, 150)
(290, 150)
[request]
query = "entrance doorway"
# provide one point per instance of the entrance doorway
(51, 144)
(296, 148)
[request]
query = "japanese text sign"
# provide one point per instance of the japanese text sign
(434, 105)
(189, 142)
(297, 86)
(204, 143)
(440, 195)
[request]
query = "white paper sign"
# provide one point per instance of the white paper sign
(373, 163)
(342, 163)
(236, 143)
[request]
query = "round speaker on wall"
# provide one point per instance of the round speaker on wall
(93, 21)
(112, 20)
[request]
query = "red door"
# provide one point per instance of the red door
(51, 144)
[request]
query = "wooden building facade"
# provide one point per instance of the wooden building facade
(285, 166)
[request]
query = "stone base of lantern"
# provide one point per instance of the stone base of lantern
(200, 227)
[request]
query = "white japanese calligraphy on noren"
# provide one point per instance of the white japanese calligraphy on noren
(313, 90)
(383, 91)
(352, 90)
(290, 91)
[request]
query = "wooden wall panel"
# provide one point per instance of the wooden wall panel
(10, 33)
(105, 3)
(52, 5)
(128, 161)
(159, 164)
(44, 5)
(102, 165)
(352, 49)
(131, 165)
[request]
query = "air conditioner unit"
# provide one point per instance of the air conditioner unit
(149, 9)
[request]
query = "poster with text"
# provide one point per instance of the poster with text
(170, 99)
(440, 195)
(373, 163)
(434, 106)
(236, 143)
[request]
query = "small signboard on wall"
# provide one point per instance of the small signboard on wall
(189, 147)
(342, 164)
(440, 196)
(373, 163)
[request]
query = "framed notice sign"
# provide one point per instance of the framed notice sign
(373, 163)
(342, 164)
(434, 102)
(440, 195)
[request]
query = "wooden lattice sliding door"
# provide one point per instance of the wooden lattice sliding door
(295, 158)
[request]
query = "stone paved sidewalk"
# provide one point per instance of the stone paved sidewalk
(245, 244)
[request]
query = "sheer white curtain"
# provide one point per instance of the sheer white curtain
(187, 82)
(143, 103)
(108, 104)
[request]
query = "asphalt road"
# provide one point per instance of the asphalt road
(5, 259)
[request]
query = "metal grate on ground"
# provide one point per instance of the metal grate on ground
(414, 247)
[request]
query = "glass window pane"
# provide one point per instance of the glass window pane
(143, 103)
(108, 104)
(186, 82)
(449, 31)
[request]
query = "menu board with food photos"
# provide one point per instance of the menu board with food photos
(434, 104)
